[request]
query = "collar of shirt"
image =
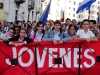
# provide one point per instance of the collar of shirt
(83, 30)
(57, 33)
(39, 36)
(20, 39)
(47, 31)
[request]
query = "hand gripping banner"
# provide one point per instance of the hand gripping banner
(17, 60)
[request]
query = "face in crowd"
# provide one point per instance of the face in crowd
(74, 22)
(17, 29)
(85, 25)
(48, 25)
(20, 24)
(91, 25)
(98, 24)
(22, 33)
(40, 28)
(28, 23)
(63, 27)
(8, 24)
(68, 21)
(57, 25)
(72, 30)
(10, 32)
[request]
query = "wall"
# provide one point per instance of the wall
(10, 7)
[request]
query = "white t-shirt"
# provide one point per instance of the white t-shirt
(82, 34)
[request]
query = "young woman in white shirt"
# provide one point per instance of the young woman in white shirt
(85, 33)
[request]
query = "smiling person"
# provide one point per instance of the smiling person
(38, 34)
(85, 33)
(8, 35)
(22, 38)
(16, 29)
(47, 27)
(72, 30)
(57, 34)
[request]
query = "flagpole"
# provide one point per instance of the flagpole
(44, 10)
(89, 12)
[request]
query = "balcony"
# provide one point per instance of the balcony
(31, 5)
(19, 1)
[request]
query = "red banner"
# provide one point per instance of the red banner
(71, 58)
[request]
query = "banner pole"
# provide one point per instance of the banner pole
(36, 65)
(79, 69)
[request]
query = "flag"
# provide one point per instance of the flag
(98, 19)
(88, 8)
(86, 4)
(44, 16)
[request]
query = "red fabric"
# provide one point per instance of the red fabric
(46, 52)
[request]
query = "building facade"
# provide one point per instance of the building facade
(55, 9)
(32, 10)
(70, 7)
(22, 10)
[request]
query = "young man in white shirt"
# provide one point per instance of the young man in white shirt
(85, 33)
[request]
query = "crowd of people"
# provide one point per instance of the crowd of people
(88, 30)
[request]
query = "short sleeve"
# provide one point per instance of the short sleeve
(91, 34)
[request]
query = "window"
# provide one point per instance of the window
(79, 4)
(98, 7)
(45, 3)
(93, 12)
(74, 3)
(79, 16)
(16, 15)
(93, 17)
(73, 15)
(73, 9)
(84, 16)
